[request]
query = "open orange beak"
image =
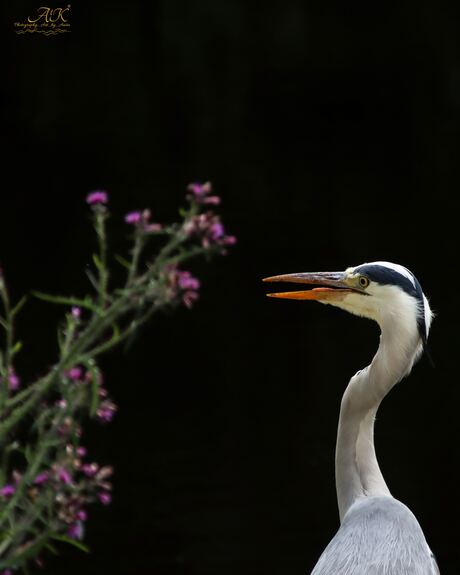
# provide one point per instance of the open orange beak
(332, 286)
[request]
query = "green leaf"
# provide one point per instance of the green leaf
(70, 541)
(17, 308)
(16, 348)
(52, 549)
(3, 546)
(28, 553)
(116, 332)
(52, 443)
(6, 534)
(60, 338)
(124, 262)
(94, 390)
(40, 420)
(92, 279)
(97, 262)
(64, 300)
(123, 291)
(28, 453)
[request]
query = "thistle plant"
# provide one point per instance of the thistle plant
(48, 481)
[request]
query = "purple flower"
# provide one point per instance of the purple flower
(97, 197)
(7, 491)
(189, 298)
(229, 240)
(186, 281)
(212, 200)
(13, 381)
(133, 217)
(105, 498)
(183, 285)
(81, 451)
(199, 190)
(210, 229)
(216, 231)
(104, 473)
(90, 469)
(41, 478)
(153, 228)
(75, 531)
(143, 218)
(64, 476)
(82, 515)
(74, 373)
(7, 572)
(76, 312)
(106, 411)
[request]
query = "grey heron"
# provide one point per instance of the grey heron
(378, 535)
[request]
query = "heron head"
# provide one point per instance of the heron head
(382, 291)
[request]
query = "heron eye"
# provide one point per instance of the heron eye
(363, 281)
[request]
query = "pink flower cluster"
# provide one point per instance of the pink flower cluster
(142, 221)
(74, 483)
(183, 285)
(76, 312)
(200, 193)
(209, 228)
(13, 380)
(106, 408)
(97, 197)
(206, 226)
(77, 484)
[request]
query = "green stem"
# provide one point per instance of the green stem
(31, 472)
(9, 335)
(100, 218)
(92, 332)
(40, 388)
(21, 395)
(137, 249)
(114, 341)
(144, 293)
(80, 348)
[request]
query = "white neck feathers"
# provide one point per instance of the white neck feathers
(357, 470)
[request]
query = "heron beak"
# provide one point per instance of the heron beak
(333, 286)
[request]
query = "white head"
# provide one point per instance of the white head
(385, 292)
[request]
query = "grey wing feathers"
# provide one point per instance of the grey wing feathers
(435, 565)
(378, 536)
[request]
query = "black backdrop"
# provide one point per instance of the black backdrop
(330, 130)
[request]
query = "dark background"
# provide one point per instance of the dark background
(330, 129)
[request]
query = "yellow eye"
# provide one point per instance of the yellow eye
(363, 281)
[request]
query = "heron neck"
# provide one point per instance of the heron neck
(357, 471)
